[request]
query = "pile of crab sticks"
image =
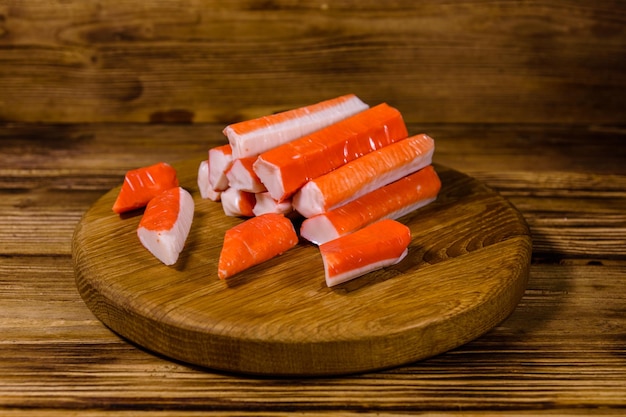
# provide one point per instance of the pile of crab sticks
(347, 170)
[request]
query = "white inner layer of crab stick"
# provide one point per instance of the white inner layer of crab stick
(238, 203)
(376, 246)
(220, 160)
(242, 177)
(165, 224)
(204, 185)
(365, 174)
(266, 204)
(253, 137)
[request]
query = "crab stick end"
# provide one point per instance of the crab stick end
(164, 243)
(204, 185)
(241, 176)
(220, 160)
(309, 200)
(238, 203)
(235, 141)
(266, 204)
(270, 175)
(319, 229)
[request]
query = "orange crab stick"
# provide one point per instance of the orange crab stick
(376, 246)
(254, 241)
(141, 184)
(389, 202)
(165, 224)
(364, 174)
(253, 137)
(220, 160)
(285, 169)
(242, 177)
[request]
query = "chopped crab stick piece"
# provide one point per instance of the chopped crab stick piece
(204, 186)
(254, 241)
(266, 204)
(165, 224)
(389, 202)
(242, 177)
(237, 203)
(220, 160)
(376, 246)
(142, 184)
(285, 169)
(253, 137)
(364, 174)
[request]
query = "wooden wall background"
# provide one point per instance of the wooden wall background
(182, 61)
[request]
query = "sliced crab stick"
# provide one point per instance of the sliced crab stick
(376, 246)
(266, 204)
(364, 174)
(238, 203)
(204, 185)
(165, 224)
(389, 202)
(254, 241)
(142, 184)
(242, 177)
(285, 169)
(220, 160)
(253, 137)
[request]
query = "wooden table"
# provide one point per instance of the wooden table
(561, 350)
(533, 107)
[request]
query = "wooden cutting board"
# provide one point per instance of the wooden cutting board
(466, 270)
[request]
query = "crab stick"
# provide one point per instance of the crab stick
(238, 203)
(254, 241)
(242, 177)
(364, 174)
(165, 224)
(389, 202)
(204, 186)
(142, 184)
(266, 204)
(285, 169)
(220, 160)
(253, 137)
(376, 246)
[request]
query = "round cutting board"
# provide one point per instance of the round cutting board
(466, 270)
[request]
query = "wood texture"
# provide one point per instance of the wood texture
(197, 61)
(525, 96)
(466, 271)
(561, 352)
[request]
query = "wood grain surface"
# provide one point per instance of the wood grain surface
(466, 271)
(561, 352)
(527, 97)
(213, 61)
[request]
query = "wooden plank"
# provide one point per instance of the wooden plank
(542, 353)
(184, 61)
(53, 151)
